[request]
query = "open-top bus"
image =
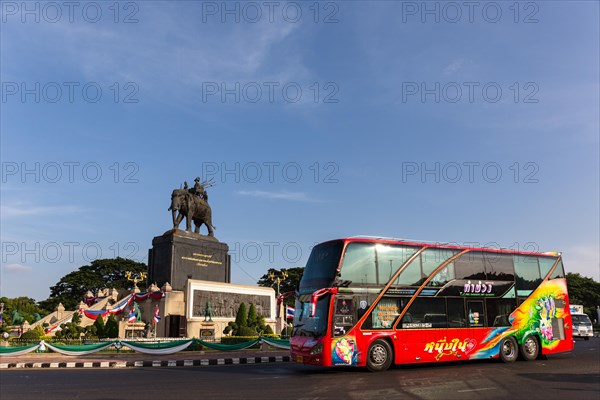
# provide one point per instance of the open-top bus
(374, 301)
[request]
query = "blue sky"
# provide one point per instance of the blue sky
(420, 120)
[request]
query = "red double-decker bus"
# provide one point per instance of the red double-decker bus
(372, 302)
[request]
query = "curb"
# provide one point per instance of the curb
(162, 363)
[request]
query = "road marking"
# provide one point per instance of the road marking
(475, 390)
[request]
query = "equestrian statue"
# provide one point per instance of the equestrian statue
(193, 205)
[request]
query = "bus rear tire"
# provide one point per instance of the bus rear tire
(509, 349)
(379, 356)
(530, 348)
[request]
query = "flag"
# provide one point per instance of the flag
(55, 328)
(156, 315)
(289, 312)
(131, 315)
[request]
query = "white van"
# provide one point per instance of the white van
(582, 326)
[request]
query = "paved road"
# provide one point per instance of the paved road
(567, 376)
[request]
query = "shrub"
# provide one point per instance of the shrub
(111, 329)
(31, 335)
(245, 331)
(239, 339)
(252, 317)
(241, 319)
(99, 325)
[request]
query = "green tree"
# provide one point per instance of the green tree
(26, 307)
(241, 318)
(230, 328)
(100, 274)
(252, 317)
(100, 328)
(33, 334)
(584, 291)
(71, 330)
(290, 284)
(111, 329)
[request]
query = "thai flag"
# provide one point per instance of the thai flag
(289, 312)
(55, 328)
(131, 315)
(156, 315)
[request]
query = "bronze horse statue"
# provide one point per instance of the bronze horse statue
(193, 208)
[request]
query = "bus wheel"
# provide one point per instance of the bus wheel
(530, 348)
(508, 349)
(379, 357)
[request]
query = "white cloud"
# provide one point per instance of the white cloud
(453, 67)
(183, 58)
(17, 268)
(23, 210)
(283, 195)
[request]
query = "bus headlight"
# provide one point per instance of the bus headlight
(318, 349)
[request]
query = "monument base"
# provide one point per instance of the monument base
(177, 256)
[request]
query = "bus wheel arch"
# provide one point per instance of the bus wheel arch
(530, 348)
(509, 349)
(380, 355)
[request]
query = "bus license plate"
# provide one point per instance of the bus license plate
(299, 359)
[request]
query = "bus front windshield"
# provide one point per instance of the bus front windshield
(321, 266)
(305, 325)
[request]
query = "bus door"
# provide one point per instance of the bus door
(344, 315)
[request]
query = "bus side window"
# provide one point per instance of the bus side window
(456, 313)
(499, 310)
(476, 316)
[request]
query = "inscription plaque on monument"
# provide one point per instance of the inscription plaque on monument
(178, 256)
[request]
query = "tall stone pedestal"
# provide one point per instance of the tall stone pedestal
(178, 255)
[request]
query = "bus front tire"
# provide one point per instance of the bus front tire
(530, 348)
(509, 349)
(379, 356)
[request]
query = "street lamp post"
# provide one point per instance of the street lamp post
(278, 278)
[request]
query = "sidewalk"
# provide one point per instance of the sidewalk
(136, 360)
